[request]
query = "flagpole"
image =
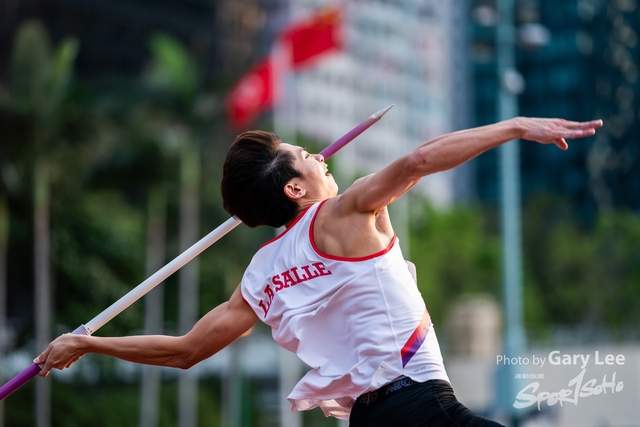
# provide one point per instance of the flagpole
(155, 279)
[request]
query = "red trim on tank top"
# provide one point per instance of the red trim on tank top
(245, 301)
(295, 221)
(340, 258)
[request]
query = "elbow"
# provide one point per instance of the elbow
(429, 160)
(418, 163)
(188, 354)
(180, 360)
(185, 364)
(192, 355)
(187, 361)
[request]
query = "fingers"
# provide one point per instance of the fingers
(579, 133)
(593, 124)
(561, 143)
(68, 365)
(48, 364)
(59, 354)
(42, 357)
(574, 130)
(557, 131)
(42, 361)
(596, 123)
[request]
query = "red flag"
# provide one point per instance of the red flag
(251, 95)
(311, 38)
(303, 43)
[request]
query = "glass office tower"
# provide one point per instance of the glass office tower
(588, 69)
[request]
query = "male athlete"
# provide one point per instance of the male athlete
(334, 286)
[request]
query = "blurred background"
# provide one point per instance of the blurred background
(115, 118)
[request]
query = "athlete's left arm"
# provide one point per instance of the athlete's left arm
(374, 192)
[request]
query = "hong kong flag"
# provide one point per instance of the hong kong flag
(303, 42)
(253, 94)
(311, 38)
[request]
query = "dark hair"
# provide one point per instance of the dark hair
(253, 179)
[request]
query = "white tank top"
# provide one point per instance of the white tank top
(359, 323)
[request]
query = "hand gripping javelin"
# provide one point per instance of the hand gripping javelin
(158, 277)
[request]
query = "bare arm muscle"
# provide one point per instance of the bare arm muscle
(217, 329)
(374, 192)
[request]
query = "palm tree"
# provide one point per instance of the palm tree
(154, 301)
(40, 81)
(173, 71)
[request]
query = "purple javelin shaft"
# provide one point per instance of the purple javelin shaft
(24, 376)
(157, 278)
(353, 133)
(19, 380)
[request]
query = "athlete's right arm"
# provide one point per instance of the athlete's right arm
(216, 330)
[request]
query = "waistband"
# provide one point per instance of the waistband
(379, 395)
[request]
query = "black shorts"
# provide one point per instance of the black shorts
(408, 403)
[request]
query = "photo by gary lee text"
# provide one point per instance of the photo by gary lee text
(564, 359)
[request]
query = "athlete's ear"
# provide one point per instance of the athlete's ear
(294, 190)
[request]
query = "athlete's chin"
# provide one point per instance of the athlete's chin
(334, 184)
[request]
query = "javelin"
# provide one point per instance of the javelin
(158, 277)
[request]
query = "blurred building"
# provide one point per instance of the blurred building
(226, 36)
(473, 326)
(588, 70)
(409, 53)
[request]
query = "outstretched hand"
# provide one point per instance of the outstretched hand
(556, 131)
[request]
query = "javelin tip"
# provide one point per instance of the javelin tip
(378, 114)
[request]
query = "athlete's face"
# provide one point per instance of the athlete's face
(316, 179)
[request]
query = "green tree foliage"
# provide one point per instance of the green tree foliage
(35, 105)
(574, 274)
(98, 255)
(583, 275)
(42, 145)
(454, 254)
(173, 68)
(40, 76)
